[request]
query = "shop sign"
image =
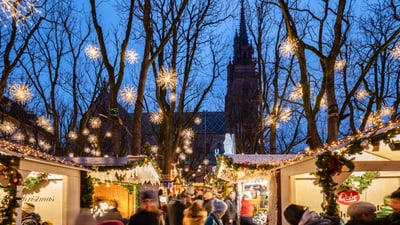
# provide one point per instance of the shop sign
(346, 197)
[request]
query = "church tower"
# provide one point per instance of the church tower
(243, 94)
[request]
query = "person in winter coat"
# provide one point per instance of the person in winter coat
(28, 216)
(247, 210)
(230, 216)
(301, 215)
(148, 213)
(361, 213)
(195, 214)
(218, 210)
(393, 218)
(175, 211)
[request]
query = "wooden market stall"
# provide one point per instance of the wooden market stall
(118, 182)
(377, 153)
(254, 173)
(57, 195)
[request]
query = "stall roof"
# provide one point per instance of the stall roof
(30, 153)
(244, 173)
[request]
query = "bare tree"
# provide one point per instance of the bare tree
(17, 28)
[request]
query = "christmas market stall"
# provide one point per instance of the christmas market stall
(363, 167)
(116, 183)
(254, 174)
(30, 175)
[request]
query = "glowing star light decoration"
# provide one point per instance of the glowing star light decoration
(172, 97)
(44, 123)
(20, 92)
(7, 127)
(188, 133)
(72, 135)
(128, 95)
(95, 122)
(92, 52)
(288, 46)
(395, 52)
(156, 117)
(340, 64)
(297, 93)
(132, 56)
(361, 94)
(18, 10)
(167, 79)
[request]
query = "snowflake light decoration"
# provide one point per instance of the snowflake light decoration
(92, 138)
(108, 134)
(386, 111)
(156, 117)
(92, 52)
(128, 95)
(20, 92)
(188, 133)
(287, 48)
(285, 115)
(18, 11)
(167, 79)
(7, 127)
(197, 121)
(395, 52)
(340, 64)
(18, 136)
(361, 94)
(132, 56)
(154, 149)
(85, 131)
(95, 122)
(72, 135)
(297, 93)
(269, 120)
(44, 123)
(172, 97)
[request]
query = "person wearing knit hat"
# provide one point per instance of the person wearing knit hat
(28, 216)
(218, 210)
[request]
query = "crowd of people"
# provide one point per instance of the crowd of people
(206, 209)
(360, 213)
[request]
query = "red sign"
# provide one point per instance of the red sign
(347, 197)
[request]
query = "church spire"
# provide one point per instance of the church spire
(242, 32)
(243, 51)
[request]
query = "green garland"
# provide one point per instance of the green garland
(331, 163)
(364, 181)
(31, 183)
(9, 203)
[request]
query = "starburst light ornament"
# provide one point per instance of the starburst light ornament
(197, 121)
(167, 79)
(18, 10)
(128, 95)
(297, 93)
(20, 92)
(361, 94)
(132, 56)
(340, 64)
(285, 115)
(156, 117)
(95, 122)
(18, 136)
(188, 133)
(172, 97)
(72, 135)
(7, 127)
(395, 52)
(108, 134)
(44, 123)
(92, 52)
(288, 46)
